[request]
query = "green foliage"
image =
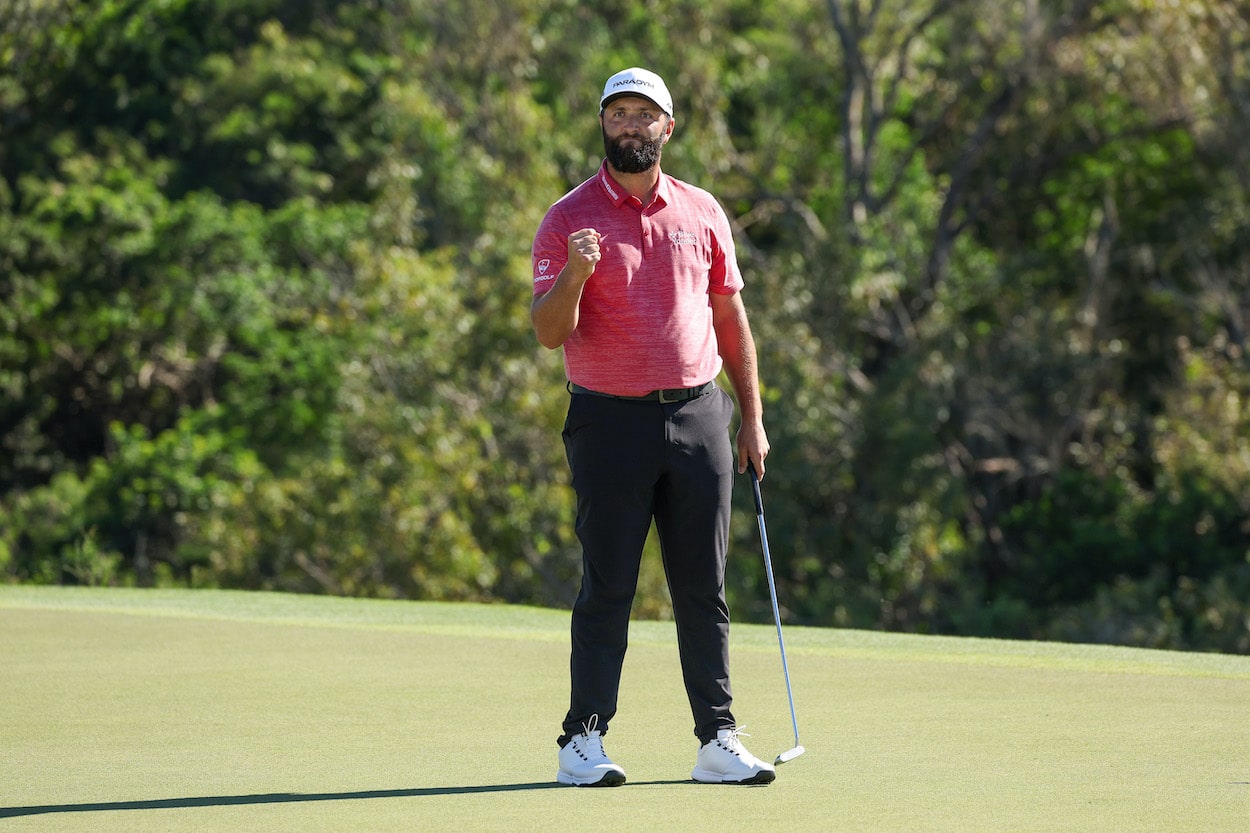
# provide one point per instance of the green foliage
(1158, 611)
(263, 306)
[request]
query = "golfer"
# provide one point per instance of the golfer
(635, 275)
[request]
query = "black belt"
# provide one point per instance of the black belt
(666, 395)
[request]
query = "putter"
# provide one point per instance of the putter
(797, 749)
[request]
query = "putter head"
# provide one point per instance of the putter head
(790, 754)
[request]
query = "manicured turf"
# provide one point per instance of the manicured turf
(130, 710)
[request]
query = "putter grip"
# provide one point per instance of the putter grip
(755, 488)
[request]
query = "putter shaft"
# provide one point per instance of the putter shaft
(798, 749)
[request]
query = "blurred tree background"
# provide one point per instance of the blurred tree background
(264, 288)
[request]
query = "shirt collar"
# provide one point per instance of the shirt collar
(619, 196)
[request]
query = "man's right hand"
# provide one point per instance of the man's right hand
(584, 253)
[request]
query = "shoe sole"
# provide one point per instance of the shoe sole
(764, 776)
(609, 779)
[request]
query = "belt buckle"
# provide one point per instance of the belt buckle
(677, 394)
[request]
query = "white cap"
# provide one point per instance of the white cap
(638, 81)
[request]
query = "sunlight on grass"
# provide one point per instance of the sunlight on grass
(137, 710)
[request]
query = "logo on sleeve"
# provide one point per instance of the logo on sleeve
(543, 266)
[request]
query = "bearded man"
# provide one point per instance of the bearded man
(636, 277)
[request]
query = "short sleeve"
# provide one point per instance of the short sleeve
(550, 250)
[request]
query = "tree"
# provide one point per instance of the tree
(263, 298)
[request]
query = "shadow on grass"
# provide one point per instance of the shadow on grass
(282, 798)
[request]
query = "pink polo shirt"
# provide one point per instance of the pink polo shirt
(645, 320)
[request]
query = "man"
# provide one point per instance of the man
(635, 275)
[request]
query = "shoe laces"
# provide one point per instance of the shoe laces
(591, 741)
(590, 725)
(732, 742)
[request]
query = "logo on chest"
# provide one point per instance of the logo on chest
(682, 238)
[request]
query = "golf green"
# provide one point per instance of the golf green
(144, 710)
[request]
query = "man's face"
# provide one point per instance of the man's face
(634, 132)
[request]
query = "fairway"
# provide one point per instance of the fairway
(133, 710)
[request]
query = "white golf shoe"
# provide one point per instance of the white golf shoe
(726, 761)
(583, 762)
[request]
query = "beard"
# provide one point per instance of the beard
(631, 159)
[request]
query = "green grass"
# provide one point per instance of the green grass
(131, 710)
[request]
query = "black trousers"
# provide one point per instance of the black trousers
(633, 462)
